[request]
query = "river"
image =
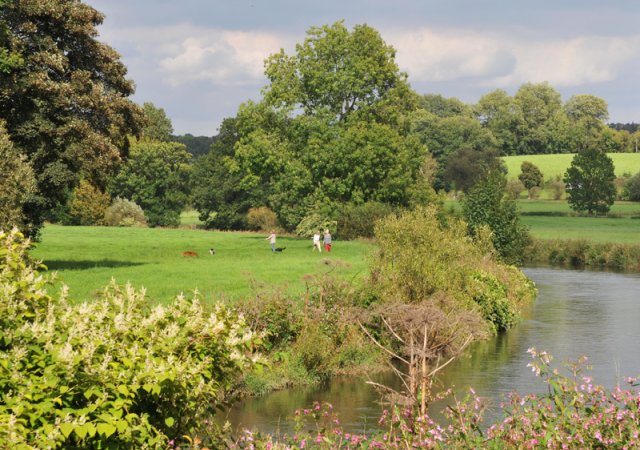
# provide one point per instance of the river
(595, 314)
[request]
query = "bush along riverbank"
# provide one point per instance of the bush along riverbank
(584, 253)
(431, 291)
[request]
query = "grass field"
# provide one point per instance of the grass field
(87, 257)
(555, 220)
(556, 165)
(550, 219)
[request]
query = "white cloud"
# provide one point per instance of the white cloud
(185, 53)
(506, 60)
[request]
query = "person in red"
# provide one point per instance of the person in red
(327, 240)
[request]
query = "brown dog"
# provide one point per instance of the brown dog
(189, 254)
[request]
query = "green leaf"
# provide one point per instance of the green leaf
(66, 428)
(169, 421)
(106, 429)
(123, 390)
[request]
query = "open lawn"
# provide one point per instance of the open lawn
(555, 220)
(87, 257)
(550, 219)
(556, 165)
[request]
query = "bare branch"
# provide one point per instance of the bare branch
(382, 346)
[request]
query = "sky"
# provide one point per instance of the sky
(200, 59)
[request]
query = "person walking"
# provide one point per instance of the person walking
(272, 240)
(316, 242)
(327, 240)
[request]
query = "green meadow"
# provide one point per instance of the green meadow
(555, 165)
(555, 220)
(86, 258)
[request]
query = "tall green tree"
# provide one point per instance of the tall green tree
(17, 184)
(487, 205)
(530, 175)
(336, 70)
(156, 177)
(158, 126)
(64, 97)
(499, 113)
(590, 182)
(333, 128)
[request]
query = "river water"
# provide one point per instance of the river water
(595, 314)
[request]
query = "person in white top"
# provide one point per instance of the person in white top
(316, 242)
(272, 240)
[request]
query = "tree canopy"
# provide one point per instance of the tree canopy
(590, 182)
(64, 97)
(332, 128)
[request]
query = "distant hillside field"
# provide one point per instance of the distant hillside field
(553, 165)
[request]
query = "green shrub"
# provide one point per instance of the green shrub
(632, 188)
(491, 295)
(313, 222)
(261, 219)
(426, 258)
(88, 204)
(356, 221)
(113, 373)
(124, 213)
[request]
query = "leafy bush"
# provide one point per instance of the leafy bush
(514, 188)
(425, 257)
(632, 188)
(88, 204)
(491, 294)
(313, 222)
(486, 204)
(113, 373)
(261, 219)
(356, 221)
(124, 213)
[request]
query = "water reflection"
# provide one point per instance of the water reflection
(577, 313)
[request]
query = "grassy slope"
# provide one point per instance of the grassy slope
(554, 165)
(87, 257)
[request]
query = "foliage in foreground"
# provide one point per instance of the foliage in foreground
(574, 413)
(112, 373)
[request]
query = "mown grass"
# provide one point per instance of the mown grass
(552, 166)
(554, 219)
(86, 258)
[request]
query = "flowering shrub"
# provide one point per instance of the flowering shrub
(113, 373)
(575, 413)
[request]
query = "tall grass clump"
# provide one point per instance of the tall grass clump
(111, 373)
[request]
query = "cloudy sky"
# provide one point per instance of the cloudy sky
(199, 59)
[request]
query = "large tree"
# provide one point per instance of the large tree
(590, 182)
(333, 128)
(64, 97)
(156, 177)
(487, 205)
(17, 184)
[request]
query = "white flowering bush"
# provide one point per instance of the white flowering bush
(113, 373)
